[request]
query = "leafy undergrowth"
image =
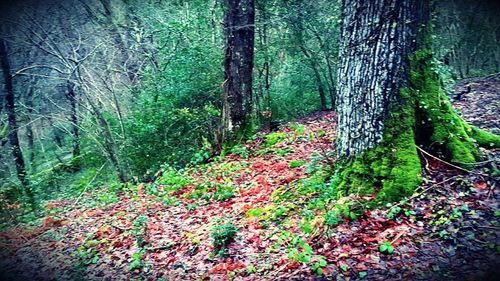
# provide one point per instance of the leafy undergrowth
(264, 212)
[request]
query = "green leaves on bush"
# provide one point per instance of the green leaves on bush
(222, 235)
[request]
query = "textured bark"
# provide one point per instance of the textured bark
(29, 128)
(239, 32)
(13, 126)
(390, 100)
(376, 42)
(73, 101)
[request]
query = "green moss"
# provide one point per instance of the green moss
(392, 168)
(483, 138)
(440, 128)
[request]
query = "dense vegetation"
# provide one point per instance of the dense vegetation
(202, 105)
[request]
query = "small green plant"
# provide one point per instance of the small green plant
(173, 180)
(222, 235)
(299, 128)
(137, 260)
(386, 247)
(300, 251)
(332, 218)
(251, 269)
(283, 151)
(274, 138)
(241, 151)
(317, 267)
(444, 234)
(139, 230)
(393, 212)
(296, 163)
(223, 192)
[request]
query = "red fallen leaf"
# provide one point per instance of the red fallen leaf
(259, 167)
(280, 167)
(290, 178)
(226, 267)
(255, 239)
(292, 265)
(480, 185)
(153, 226)
(245, 208)
(226, 204)
(234, 266)
(263, 181)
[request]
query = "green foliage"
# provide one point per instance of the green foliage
(139, 230)
(332, 217)
(274, 138)
(299, 128)
(298, 250)
(386, 247)
(241, 151)
(222, 235)
(296, 163)
(137, 260)
(173, 179)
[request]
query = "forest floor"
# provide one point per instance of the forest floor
(267, 207)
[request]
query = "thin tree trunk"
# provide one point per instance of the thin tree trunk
(14, 129)
(75, 131)
(317, 76)
(29, 129)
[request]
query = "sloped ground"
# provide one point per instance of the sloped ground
(287, 227)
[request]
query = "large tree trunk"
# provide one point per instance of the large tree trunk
(12, 120)
(238, 65)
(390, 100)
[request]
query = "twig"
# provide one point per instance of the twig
(441, 160)
(121, 228)
(398, 236)
(420, 193)
(88, 184)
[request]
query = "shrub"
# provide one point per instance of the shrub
(222, 235)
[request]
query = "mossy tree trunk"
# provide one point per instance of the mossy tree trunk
(239, 32)
(390, 101)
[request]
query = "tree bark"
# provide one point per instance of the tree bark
(13, 126)
(29, 129)
(73, 101)
(390, 100)
(239, 29)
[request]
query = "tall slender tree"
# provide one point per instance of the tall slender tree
(390, 100)
(239, 30)
(13, 125)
